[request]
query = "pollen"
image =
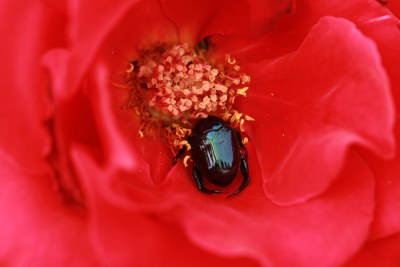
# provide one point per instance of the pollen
(185, 160)
(185, 143)
(172, 86)
(242, 91)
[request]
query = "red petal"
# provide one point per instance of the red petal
(147, 217)
(124, 149)
(326, 230)
(23, 84)
(264, 14)
(315, 104)
(384, 252)
(394, 6)
(120, 25)
(88, 28)
(290, 30)
(142, 214)
(116, 150)
(195, 20)
(387, 220)
(375, 23)
(386, 35)
(387, 174)
(37, 229)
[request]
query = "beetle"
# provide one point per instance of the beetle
(216, 150)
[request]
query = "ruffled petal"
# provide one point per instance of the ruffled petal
(374, 22)
(314, 109)
(315, 104)
(144, 216)
(118, 133)
(326, 230)
(290, 30)
(149, 219)
(23, 83)
(128, 22)
(37, 229)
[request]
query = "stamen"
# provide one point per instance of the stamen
(248, 118)
(131, 68)
(185, 143)
(242, 91)
(229, 59)
(171, 87)
(241, 125)
(185, 160)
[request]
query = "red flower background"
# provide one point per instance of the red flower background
(79, 188)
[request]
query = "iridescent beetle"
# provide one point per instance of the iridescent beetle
(216, 152)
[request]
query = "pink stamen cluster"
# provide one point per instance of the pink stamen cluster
(183, 85)
(174, 86)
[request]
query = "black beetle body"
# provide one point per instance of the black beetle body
(216, 152)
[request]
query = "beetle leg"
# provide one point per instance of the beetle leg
(180, 153)
(244, 169)
(239, 138)
(200, 183)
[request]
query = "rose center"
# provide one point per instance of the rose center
(171, 87)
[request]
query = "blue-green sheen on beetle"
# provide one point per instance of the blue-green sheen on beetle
(216, 151)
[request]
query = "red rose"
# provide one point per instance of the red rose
(80, 188)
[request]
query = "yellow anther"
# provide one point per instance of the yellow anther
(226, 116)
(242, 91)
(185, 160)
(131, 68)
(185, 143)
(140, 134)
(245, 140)
(241, 127)
(229, 59)
(236, 117)
(248, 118)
